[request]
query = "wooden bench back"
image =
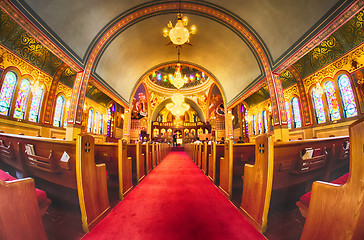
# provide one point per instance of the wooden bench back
(337, 212)
(107, 153)
(205, 154)
(258, 179)
(91, 183)
(293, 172)
(147, 151)
(124, 169)
(218, 152)
(19, 212)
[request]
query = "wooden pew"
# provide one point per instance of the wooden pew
(337, 212)
(19, 213)
(293, 176)
(124, 169)
(217, 152)
(232, 168)
(64, 174)
(258, 180)
(9, 152)
(205, 157)
(107, 153)
(91, 183)
(135, 152)
(147, 151)
(154, 154)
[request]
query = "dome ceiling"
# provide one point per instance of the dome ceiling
(278, 25)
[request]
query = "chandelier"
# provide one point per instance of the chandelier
(178, 107)
(178, 34)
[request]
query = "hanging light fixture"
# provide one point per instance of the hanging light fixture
(177, 80)
(178, 34)
(178, 107)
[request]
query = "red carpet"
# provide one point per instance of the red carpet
(175, 201)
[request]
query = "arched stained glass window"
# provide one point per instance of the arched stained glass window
(265, 121)
(58, 112)
(7, 92)
(35, 105)
(22, 99)
(90, 120)
(101, 130)
(334, 109)
(259, 122)
(347, 96)
(246, 124)
(66, 113)
(318, 105)
(296, 113)
(289, 121)
(254, 125)
(96, 122)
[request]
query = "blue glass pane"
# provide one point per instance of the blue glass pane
(319, 107)
(289, 122)
(347, 96)
(296, 113)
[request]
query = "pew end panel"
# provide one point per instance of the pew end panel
(337, 212)
(258, 180)
(91, 183)
(20, 217)
(212, 163)
(125, 169)
(226, 168)
(140, 162)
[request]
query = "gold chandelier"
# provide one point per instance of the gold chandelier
(178, 107)
(178, 34)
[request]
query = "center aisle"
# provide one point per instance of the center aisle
(175, 201)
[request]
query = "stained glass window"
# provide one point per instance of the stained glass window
(265, 121)
(22, 99)
(101, 130)
(259, 122)
(254, 126)
(58, 112)
(35, 105)
(246, 124)
(296, 114)
(318, 105)
(7, 92)
(90, 120)
(347, 96)
(289, 121)
(96, 122)
(66, 113)
(334, 109)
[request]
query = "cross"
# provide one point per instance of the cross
(87, 147)
(261, 148)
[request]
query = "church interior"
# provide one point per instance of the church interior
(266, 98)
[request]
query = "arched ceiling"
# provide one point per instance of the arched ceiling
(279, 25)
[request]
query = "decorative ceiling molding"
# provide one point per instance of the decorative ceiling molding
(10, 9)
(339, 21)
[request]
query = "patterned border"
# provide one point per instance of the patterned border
(340, 20)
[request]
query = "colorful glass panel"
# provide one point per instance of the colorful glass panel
(318, 105)
(289, 121)
(7, 92)
(254, 126)
(66, 113)
(58, 112)
(101, 130)
(265, 121)
(246, 125)
(347, 96)
(22, 99)
(35, 105)
(90, 120)
(297, 123)
(96, 122)
(259, 121)
(334, 109)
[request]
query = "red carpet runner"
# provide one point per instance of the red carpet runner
(175, 201)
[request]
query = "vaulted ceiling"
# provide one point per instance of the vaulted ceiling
(279, 26)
